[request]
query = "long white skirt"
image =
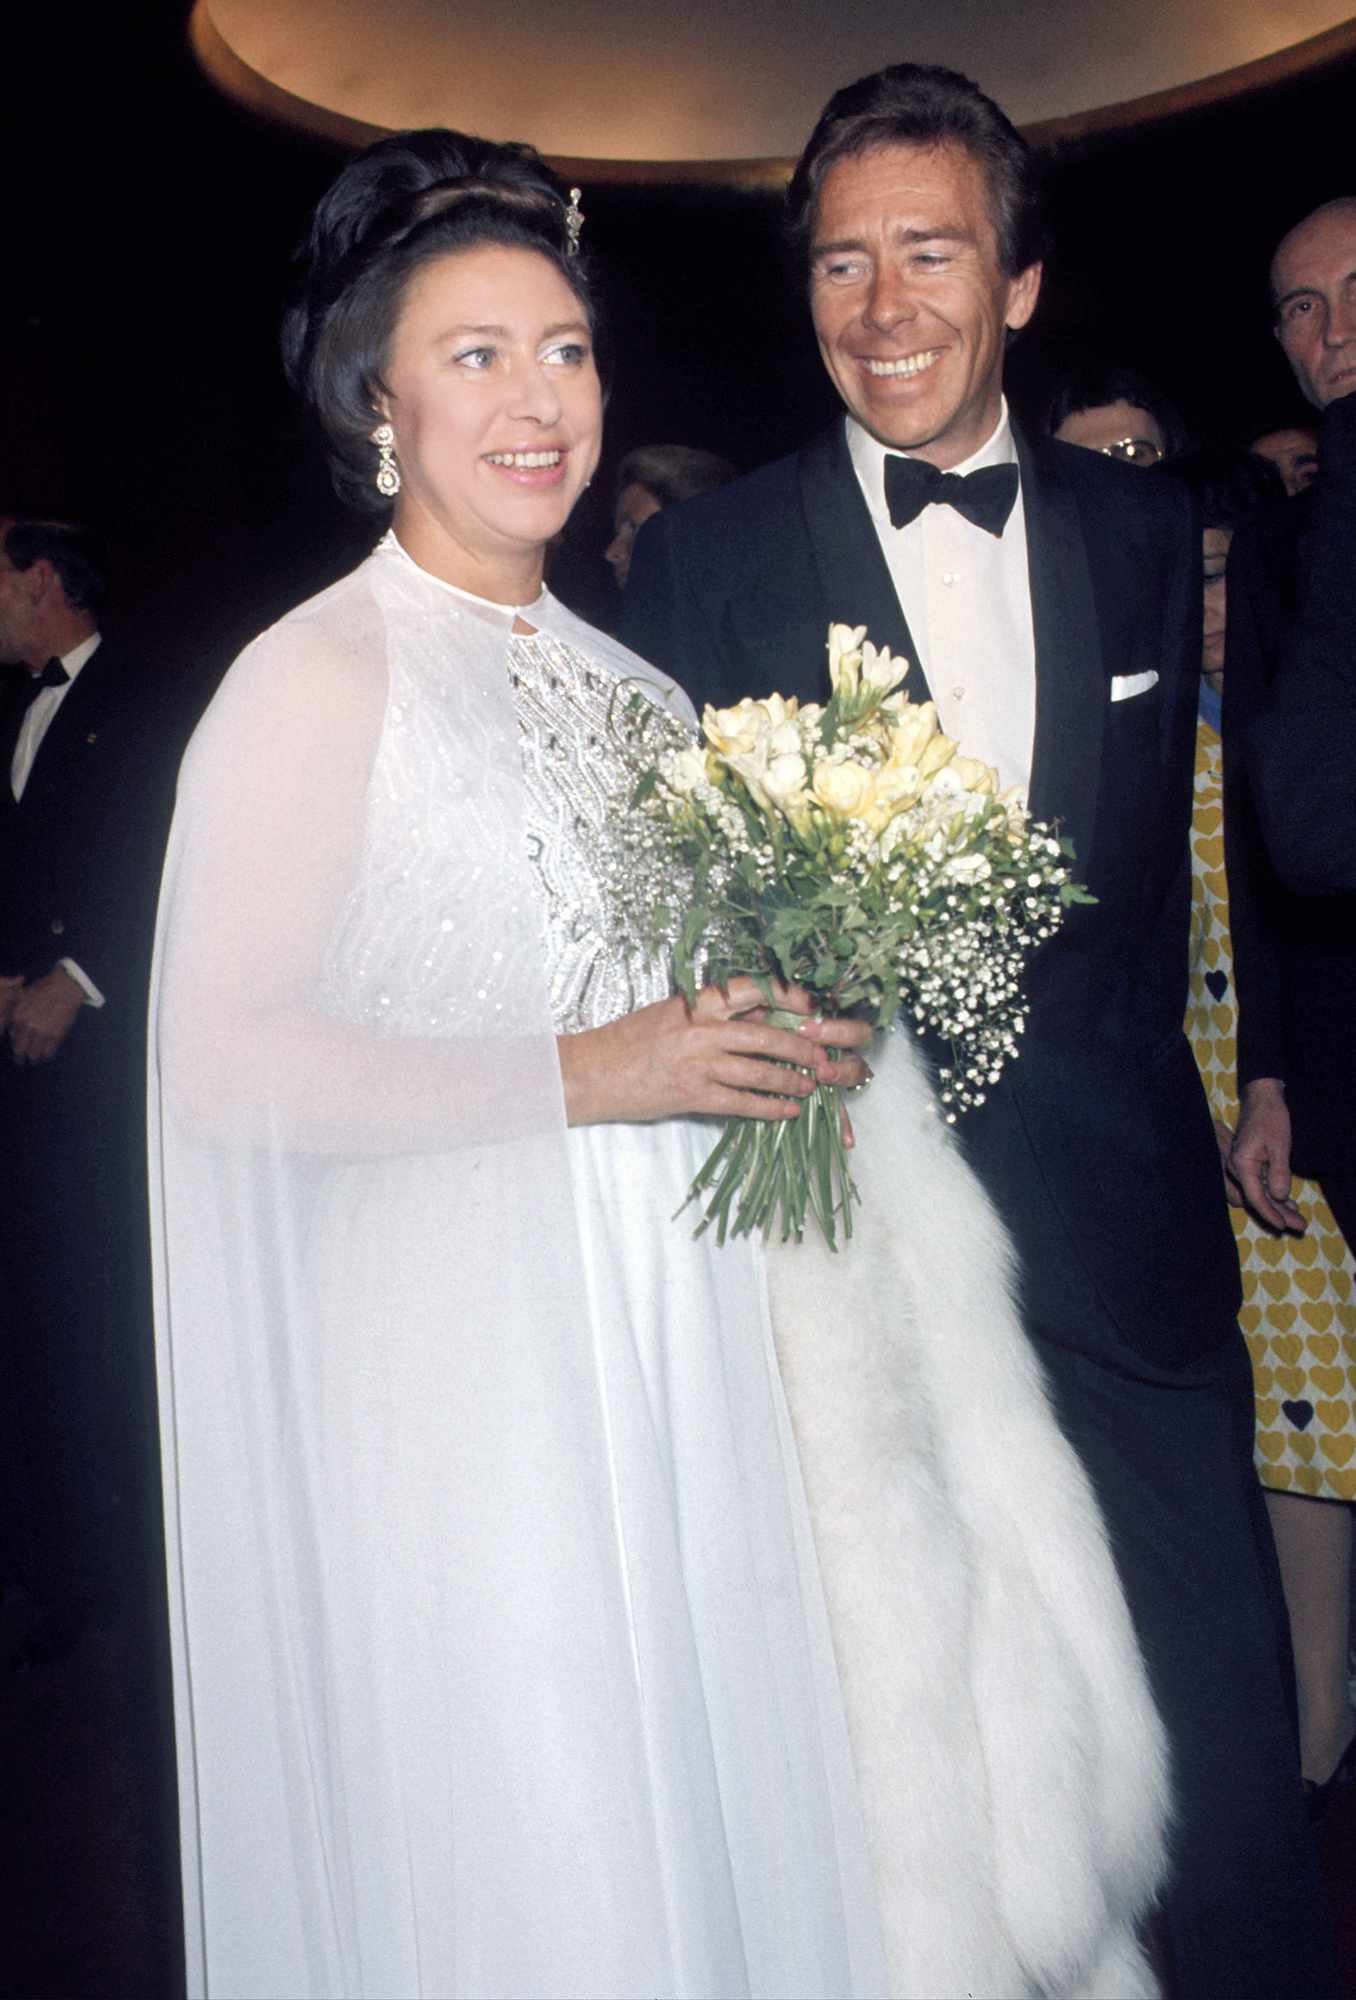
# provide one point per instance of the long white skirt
(504, 1667)
(502, 1652)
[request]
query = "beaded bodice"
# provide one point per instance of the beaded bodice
(564, 703)
(425, 943)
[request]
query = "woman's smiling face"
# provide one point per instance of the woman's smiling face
(492, 391)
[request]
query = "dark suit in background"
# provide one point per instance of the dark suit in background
(1294, 955)
(92, 1863)
(1096, 1146)
(79, 872)
(1292, 607)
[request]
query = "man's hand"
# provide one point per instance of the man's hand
(1260, 1157)
(1224, 1139)
(42, 1014)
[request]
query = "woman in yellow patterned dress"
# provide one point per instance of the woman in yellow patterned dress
(1299, 1278)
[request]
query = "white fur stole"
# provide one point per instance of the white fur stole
(1012, 1765)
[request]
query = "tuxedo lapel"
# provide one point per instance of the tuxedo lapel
(75, 733)
(1071, 683)
(854, 578)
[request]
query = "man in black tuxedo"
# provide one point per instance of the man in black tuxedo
(85, 784)
(1051, 605)
(1292, 584)
(87, 757)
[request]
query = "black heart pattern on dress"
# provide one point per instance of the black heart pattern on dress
(1218, 982)
(1301, 1415)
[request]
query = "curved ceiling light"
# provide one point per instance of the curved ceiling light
(726, 90)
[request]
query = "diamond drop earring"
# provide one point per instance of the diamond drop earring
(388, 472)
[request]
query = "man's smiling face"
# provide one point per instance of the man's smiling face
(909, 300)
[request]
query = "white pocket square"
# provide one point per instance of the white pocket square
(1124, 685)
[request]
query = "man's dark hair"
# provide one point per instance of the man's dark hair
(1299, 417)
(404, 203)
(921, 104)
(1231, 484)
(1093, 384)
(74, 554)
(674, 472)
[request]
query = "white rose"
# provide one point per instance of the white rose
(737, 729)
(944, 783)
(784, 780)
(684, 770)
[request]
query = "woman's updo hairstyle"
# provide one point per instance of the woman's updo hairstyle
(405, 202)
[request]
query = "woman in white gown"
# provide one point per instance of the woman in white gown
(511, 1658)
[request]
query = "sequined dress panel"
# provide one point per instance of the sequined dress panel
(565, 703)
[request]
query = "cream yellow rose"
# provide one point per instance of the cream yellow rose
(975, 776)
(846, 789)
(898, 785)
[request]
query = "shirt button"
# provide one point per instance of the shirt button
(949, 577)
(958, 693)
(58, 927)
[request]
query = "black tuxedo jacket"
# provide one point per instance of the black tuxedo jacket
(1301, 745)
(1097, 1145)
(1294, 955)
(80, 853)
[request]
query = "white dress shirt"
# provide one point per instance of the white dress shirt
(35, 725)
(967, 597)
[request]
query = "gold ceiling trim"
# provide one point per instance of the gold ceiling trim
(248, 87)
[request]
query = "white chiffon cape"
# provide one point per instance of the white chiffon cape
(525, 1642)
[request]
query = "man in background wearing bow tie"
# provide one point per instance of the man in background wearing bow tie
(87, 756)
(85, 776)
(1049, 600)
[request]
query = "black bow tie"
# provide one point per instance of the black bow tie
(53, 675)
(984, 497)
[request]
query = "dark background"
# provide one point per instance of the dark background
(148, 224)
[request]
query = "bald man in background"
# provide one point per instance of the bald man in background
(1292, 580)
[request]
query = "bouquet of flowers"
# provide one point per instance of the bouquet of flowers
(848, 847)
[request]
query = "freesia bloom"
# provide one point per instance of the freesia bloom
(912, 729)
(845, 657)
(939, 750)
(781, 712)
(880, 669)
(736, 730)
